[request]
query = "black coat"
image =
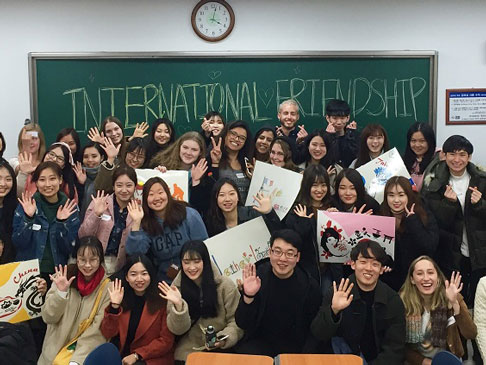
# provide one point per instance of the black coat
(389, 323)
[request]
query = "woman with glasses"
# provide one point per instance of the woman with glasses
(58, 153)
(74, 307)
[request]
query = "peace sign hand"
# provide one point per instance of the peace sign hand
(80, 173)
(301, 211)
(342, 296)
(65, 211)
(140, 130)
(116, 291)
(26, 163)
(410, 212)
(361, 210)
(264, 203)
(60, 278)
(475, 195)
(95, 136)
(99, 202)
(216, 151)
(171, 294)
(450, 194)
(28, 204)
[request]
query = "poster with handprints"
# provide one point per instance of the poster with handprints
(177, 180)
(283, 185)
(19, 298)
(338, 233)
(377, 172)
(236, 247)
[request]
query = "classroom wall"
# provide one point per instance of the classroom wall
(456, 29)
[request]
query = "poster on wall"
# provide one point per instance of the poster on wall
(19, 298)
(377, 172)
(236, 247)
(177, 180)
(281, 184)
(466, 106)
(338, 233)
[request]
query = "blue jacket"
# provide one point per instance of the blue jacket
(30, 235)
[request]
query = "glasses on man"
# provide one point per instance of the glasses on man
(53, 157)
(236, 136)
(84, 262)
(288, 254)
(136, 156)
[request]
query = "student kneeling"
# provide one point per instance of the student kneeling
(279, 300)
(366, 314)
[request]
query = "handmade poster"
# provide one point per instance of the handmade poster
(377, 172)
(19, 298)
(234, 248)
(283, 186)
(338, 233)
(177, 180)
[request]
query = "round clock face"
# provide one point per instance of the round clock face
(213, 20)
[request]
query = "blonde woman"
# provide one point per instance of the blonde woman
(31, 144)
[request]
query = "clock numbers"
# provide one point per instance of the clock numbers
(212, 20)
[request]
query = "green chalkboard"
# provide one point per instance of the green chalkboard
(80, 90)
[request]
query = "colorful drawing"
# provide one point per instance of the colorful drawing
(379, 170)
(177, 180)
(281, 184)
(19, 298)
(234, 248)
(338, 233)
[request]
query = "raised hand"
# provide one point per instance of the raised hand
(264, 203)
(41, 285)
(26, 163)
(331, 170)
(110, 149)
(450, 194)
(171, 294)
(95, 135)
(80, 173)
(116, 291)
(475, 195)
(135, 211)
(65, 211)
(352, 125)
(161, 168)
(216, 151)
(453, 288)
(139, 131)
(251, 282)
(206, 127)
(28, 204)
(100, 202)
(198, 171)
(342, 297)
(60, 278)
(279, 132)
(361, 210)
(301, 211)
(330, 127)
(332, 209)
(302, 134)
(410, 211)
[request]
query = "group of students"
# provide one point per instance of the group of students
(72, 208)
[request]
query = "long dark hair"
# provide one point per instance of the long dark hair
(9, 206)
(215, 222)
(152, 297)
(152, 146)
(71, 131)
(246, 150)
(364, 152)
(4, 146)
(410, 157)
(98, 148)
(207, 306)
(175, 212)
(68, 175)
(256, 155)
(354, 178)
(313, 174)
(328, 159)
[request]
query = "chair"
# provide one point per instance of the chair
(106, 354)
(318, 359)
(446, 358)
(214, 358)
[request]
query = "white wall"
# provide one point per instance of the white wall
(456, 29)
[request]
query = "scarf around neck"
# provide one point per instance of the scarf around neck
(87, 287)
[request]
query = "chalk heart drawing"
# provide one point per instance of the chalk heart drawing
(213, 75)
(266, 96)
(92, 78)
(297, 70)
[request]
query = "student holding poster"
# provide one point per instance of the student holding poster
(417, 232)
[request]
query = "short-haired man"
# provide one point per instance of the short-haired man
(365, 314)
(279, 300)
(288, 115)
(455, 190)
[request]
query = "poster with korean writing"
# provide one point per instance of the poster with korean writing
(19, 298)
(281, 184)
(177, 180)
(338, 233)
(377, 172)
(236, 247)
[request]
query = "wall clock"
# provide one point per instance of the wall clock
(213, 20)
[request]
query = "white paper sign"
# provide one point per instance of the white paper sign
(377, 172)
(281, 184)
(178, 181)
(19, 298)
(234, 248)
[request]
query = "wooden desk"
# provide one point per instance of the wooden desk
(318, 359)
(213, 358)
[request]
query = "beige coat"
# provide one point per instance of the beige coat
(63, 317)
(179, 322)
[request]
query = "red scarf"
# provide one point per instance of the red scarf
(86, 288)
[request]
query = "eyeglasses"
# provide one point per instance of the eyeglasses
(52, 156)
(236, 136)
(135, 156)
(288, 254)
(84, 262)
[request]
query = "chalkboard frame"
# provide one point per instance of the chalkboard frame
(432, 55)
